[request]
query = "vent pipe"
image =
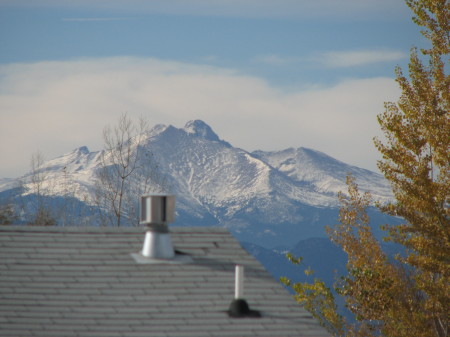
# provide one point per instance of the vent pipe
(239, 307)
(239, 282)
(156, 212)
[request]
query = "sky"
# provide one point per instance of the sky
(264, 74)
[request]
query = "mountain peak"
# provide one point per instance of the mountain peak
(200, 129)
(82, 149)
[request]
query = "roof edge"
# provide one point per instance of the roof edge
(109, 230)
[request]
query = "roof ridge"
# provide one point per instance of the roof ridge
(109, 230)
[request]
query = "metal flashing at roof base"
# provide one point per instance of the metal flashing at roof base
(177, 259)
(158, 246)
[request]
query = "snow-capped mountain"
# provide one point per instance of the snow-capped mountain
(323, 173)
(269, 198)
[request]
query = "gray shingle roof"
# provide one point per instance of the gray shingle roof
(84, 282)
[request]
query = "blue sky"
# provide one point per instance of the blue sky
(263, 74)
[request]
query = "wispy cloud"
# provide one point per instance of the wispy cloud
(276, 60)
(93, 19)
(57, 106)
(344, 59)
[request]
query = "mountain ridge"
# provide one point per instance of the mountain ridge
(264, 197)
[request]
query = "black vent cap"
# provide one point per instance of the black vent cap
(239, 309)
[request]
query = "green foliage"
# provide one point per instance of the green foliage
(318, 299)
(293, 259)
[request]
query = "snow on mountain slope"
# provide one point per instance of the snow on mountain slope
(222, 178)
(70, 173)
(263, 197)
(323, 173)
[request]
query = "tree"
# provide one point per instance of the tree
(7, 214)
(416, 160)
(380, 292)
(41, 212)
(318, 299)
(126, 171)
(411, 295)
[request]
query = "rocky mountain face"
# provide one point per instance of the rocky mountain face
(265, 198)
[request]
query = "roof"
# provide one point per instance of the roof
(73, 281)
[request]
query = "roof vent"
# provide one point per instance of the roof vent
(156, 212)
(239, 307)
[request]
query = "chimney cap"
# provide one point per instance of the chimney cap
(157, 211)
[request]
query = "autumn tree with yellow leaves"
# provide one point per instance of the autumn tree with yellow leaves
(416, 160)
(408, 296)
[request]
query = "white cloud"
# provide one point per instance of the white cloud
(55, 107)
(343, 59)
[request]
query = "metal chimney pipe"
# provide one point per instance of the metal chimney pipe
(239, 306)
(239, 282)
(156, 212)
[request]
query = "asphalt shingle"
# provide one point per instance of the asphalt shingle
(73, 281)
